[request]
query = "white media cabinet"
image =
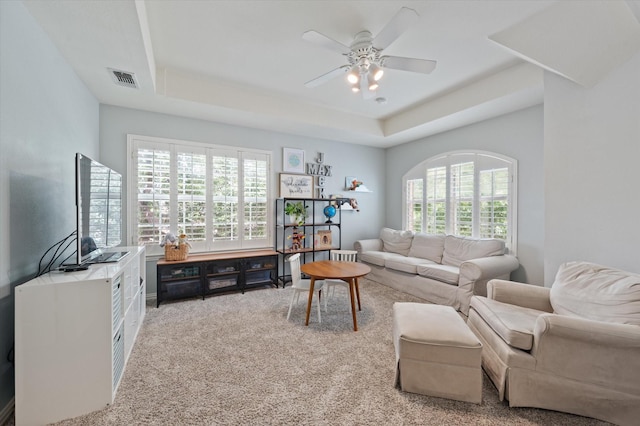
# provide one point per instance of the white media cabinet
(74, 332)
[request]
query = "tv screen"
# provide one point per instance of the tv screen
(98, 208)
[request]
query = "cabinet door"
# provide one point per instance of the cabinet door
(222, 275)
(180, 281)
(260, 271)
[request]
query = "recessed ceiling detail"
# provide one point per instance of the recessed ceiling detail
(244, 63)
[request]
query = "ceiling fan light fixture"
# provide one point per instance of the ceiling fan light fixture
(376, 71)
(355, 88)
(354, 75)
(373, 84)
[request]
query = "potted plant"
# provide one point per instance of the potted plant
(297, 212)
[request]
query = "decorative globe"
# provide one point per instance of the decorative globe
(329, 212)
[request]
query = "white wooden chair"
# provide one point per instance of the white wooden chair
(300, 285)
(330, 285)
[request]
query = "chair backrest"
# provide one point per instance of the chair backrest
(344, 255)
(294, 264)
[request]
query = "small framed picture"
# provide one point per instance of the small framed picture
(296, 186)
(322, 240)
(292, 160)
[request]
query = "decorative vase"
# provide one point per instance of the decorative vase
(296, 220)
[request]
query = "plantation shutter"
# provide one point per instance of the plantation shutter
(494, 205)
(461, 198)
(191, 196)
(224, 218)
(255, 200)
(465, 193)
(436, 200)
(414, 204)
(217, 196)
(153, 194)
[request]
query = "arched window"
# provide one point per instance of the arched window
(467, 193)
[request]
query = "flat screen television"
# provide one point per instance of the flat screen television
(98, 211)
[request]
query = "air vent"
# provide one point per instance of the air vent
(123, 78)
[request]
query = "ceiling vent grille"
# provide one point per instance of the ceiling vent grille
(123, 78)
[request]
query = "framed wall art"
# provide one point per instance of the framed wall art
(296, 186)
(292, 160)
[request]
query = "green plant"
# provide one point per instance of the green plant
(297, 210)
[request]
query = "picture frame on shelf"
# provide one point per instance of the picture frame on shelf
(292, 160)
(323, 239)
(296, 186)
(351, 183)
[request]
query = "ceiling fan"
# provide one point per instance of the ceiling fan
(364, 56)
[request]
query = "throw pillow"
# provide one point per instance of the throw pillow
(395, 241)
(427, 246)
(460, 249)
(600, 293)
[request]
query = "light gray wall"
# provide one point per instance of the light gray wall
(518, 135)
(592, 152)
(47, 114)
(366, 163)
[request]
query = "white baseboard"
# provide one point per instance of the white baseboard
(7, 411)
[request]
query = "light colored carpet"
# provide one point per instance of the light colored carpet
(235, 360)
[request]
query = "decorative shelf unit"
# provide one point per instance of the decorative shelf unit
(74, 334)
(314, 226)
(205, 274)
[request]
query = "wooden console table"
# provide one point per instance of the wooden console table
(204, 274)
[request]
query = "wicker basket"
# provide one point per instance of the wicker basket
(179, 252)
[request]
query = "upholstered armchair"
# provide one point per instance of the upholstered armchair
(574, 347)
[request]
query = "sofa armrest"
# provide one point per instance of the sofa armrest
(519, 294)
(488, 267)
(588, 351)
(373, 244)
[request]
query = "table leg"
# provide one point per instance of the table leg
(313, 281)
(358, 293)
(353, 305)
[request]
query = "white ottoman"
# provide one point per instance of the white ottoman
(436, 353)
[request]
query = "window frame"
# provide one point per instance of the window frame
(482, 161)
(175, 146)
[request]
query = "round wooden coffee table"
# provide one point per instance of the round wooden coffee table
(333, 269)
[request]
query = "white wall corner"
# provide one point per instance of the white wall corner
(580, 41)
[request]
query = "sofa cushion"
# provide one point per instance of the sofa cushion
(514, 324)
(406, 264)
(460, 249)
(445, 273)
(379, 257)
(587, 290)
(427, 246)
(395, 241)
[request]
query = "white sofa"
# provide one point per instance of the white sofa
(441, 269)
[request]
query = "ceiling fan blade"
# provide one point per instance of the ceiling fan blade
(326, 42)
(398, 24)
(424, 66)
(326, 77)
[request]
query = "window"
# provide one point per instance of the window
(218, 196)
(463, 193)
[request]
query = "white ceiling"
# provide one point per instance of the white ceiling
(245, 62)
